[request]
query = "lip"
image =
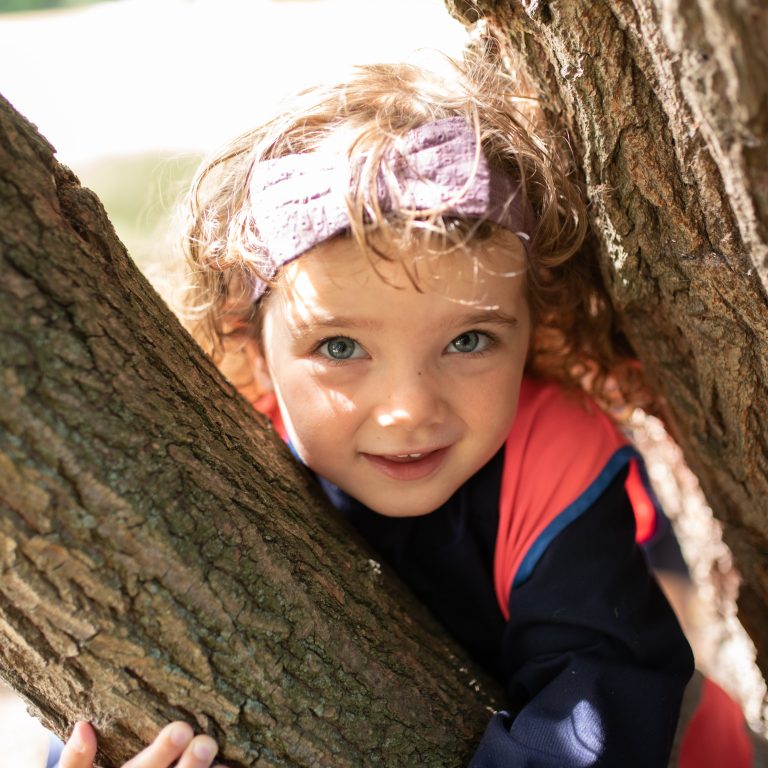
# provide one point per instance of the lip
(418, 469)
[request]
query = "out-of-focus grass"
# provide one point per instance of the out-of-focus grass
(141, 194)
(13, 6)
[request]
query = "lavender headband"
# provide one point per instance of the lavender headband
(299, 201)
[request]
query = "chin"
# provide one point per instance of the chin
(407, 506)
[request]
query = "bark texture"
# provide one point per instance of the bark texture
(161, 554)
(666, 106)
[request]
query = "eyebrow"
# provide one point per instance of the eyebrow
(493, 316)
(302, 328)
(487, 316)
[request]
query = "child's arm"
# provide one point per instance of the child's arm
(175, 742)
(596, 661)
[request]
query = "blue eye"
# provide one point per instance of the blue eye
(339, 348)
(471, 341)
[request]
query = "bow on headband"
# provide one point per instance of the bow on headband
(299, 201)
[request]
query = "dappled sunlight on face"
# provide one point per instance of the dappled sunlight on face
(389, 419)
(298, 300)
(465, 274)
(394, 391)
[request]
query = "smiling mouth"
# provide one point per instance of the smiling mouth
(407, 456)
(408, 466)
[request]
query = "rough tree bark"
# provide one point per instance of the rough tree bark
(666, 105)
(162, 554)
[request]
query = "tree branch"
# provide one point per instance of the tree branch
(162, 554)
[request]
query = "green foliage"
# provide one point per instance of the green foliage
(11, 6)
(140, 194)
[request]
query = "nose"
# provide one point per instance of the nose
(411, 400)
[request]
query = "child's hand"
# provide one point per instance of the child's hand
(175, 742)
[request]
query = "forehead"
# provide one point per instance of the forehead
(485, 272)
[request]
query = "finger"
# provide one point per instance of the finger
(200, 753)
(167, 747)
(80, 749)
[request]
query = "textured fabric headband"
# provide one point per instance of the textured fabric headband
(299, 201)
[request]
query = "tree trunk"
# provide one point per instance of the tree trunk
(666, 105)
(162, 554)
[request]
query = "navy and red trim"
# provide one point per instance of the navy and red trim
(573, 511)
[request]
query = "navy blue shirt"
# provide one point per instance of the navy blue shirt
(592, 658)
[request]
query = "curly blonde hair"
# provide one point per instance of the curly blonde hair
(575, 339)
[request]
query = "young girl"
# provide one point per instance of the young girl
(395, 263)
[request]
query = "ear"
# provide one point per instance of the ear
(257, 364)
(243, 365)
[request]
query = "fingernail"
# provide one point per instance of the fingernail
(204, 750)
(180, 735)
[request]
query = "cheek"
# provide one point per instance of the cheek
(317, 414)
(501, 404)
(493, 404)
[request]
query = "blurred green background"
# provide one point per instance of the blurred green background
(141, 194)
(11, 6)
(134, 93)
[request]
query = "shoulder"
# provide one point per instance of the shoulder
(560, 442)
(552, 420)
(561, 455)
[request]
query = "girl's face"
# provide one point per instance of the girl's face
(398, 396)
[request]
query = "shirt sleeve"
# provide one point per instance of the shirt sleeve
(55, 747)
(595, 660)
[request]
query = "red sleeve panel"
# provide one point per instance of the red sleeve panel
(562, 452)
